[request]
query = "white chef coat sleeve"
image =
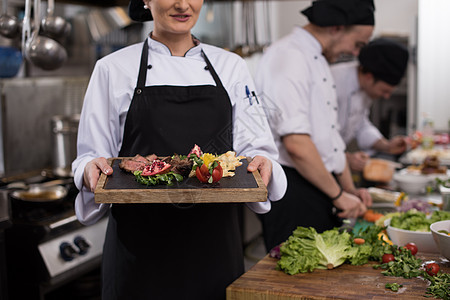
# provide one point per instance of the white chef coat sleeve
(252, 135)
(367, 134)
(98, 136)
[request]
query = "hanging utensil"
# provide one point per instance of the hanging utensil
(54, 27)
(43, 52)
(9, 25)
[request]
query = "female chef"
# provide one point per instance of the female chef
(163, 96)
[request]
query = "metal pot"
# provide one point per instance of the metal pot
(65, 130)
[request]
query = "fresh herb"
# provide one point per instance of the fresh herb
(372, 249)
(166, 178)
(405, 264)
(393, 286)
(444, 183)
(439, 286)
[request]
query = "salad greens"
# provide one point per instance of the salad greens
(168, 178)
(405, 264)
(393, 286)
(418, 221)
(306, 250)
(373, 248)
(439, 286)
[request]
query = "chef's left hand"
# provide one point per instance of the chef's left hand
(364, 195)
(397, 145)
(263, 165)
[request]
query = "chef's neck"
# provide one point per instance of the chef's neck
(178, 44)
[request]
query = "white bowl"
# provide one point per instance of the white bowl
(412, 183)
(442, 240)
(423, 240)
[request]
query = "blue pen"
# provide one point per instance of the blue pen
(247, 91)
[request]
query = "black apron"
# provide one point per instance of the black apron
(173, 251)
(302, 205)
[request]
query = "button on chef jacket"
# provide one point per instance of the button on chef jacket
(300, 98)
(109, 95)
(353, 107)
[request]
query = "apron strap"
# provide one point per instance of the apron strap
(212, 71)
(142, 77)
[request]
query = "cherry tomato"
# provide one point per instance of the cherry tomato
(387, 257)
(203, 174)
(217, 173)
(412, 247)
(432, 269)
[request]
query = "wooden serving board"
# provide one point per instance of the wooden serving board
(122, 187)
(262, 281)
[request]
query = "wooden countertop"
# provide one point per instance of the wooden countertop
(263, 282)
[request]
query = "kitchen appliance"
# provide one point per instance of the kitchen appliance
(47, 249)
(64, 129)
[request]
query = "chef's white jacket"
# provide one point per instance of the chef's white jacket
(353, 107)
(111, 89)
(299, 96)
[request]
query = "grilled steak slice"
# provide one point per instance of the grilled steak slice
(179, 166)
(136, 163)
(130, 165)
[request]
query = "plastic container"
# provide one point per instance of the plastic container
(428, 133)
(10, 61)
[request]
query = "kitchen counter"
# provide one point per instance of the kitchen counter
(262, 281)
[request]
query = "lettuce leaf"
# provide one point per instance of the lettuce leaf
(306, 250)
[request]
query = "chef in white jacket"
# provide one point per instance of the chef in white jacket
(378, 70)
(163, 96)
(298, 92)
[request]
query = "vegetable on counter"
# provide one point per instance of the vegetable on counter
(306, 250)
(439, 286)
(393, 286)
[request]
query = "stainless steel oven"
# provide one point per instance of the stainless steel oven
(47, 249)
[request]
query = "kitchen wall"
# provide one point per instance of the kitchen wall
(433, 97)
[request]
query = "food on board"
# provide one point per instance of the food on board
(207, 167)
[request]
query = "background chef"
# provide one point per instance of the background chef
(162, 96)
(379, 69)
(299, 95)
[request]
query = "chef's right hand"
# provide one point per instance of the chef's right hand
(92, 172)
(357, 160)
(350, 206)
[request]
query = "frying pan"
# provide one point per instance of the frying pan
(48, 193)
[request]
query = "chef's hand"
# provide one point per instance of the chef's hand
(263, 165)
(92, 172)
(351, 206)
(357, 160)
(364, 195)
(398, 144)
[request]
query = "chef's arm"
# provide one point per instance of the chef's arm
(309, 164)
(346, 181)
(395, 145)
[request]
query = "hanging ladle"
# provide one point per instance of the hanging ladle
(43, 52)
(54, 27)
(9, 25)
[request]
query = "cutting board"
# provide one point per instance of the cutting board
(262, 281)
(122, 187)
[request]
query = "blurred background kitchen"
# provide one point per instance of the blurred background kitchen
(44, 251)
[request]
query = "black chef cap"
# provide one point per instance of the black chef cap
(137, 11)
(340, 12)
(385, 59)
